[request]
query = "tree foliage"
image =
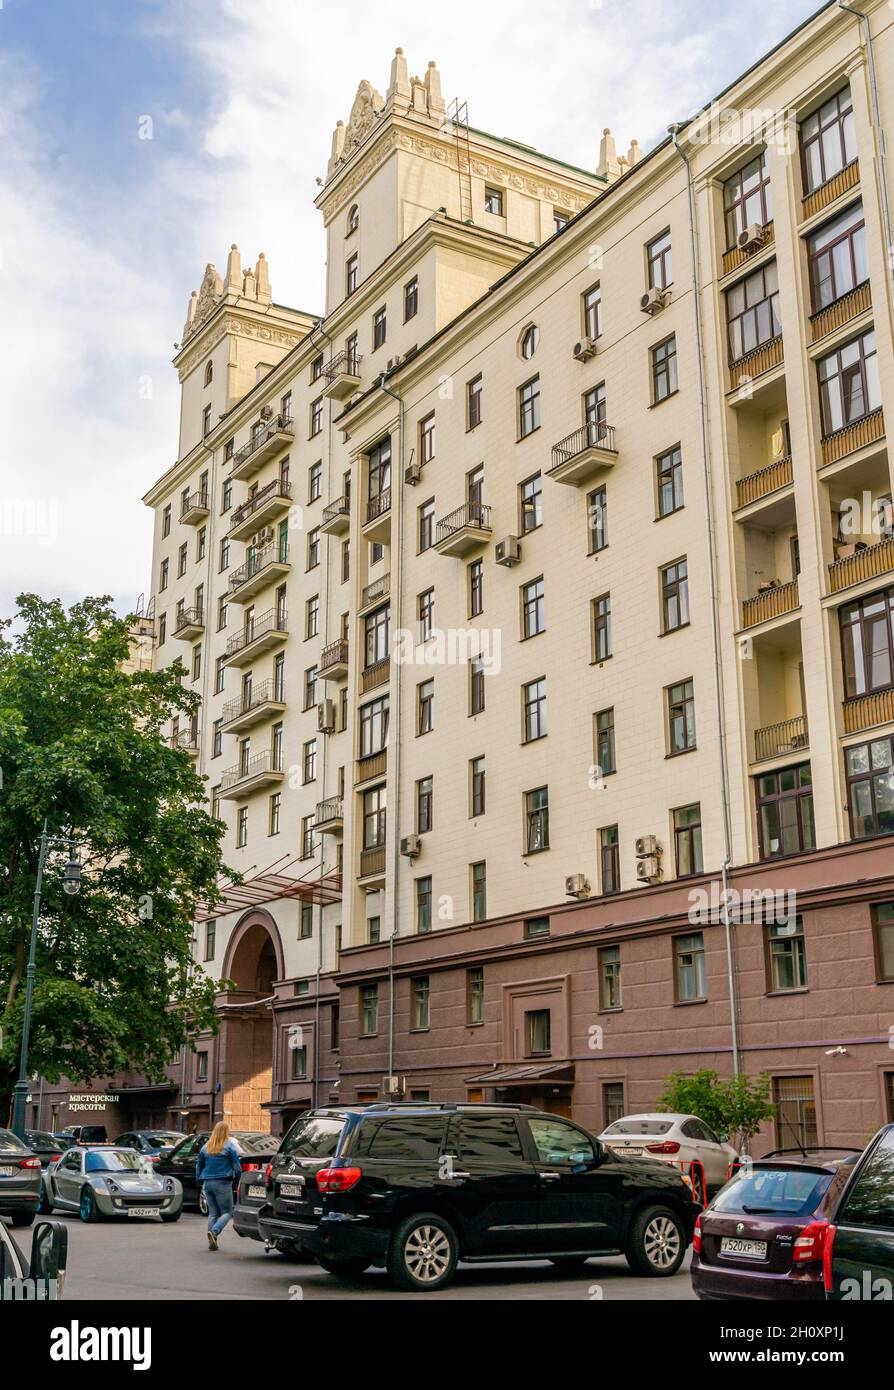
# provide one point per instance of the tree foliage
(735, 1106)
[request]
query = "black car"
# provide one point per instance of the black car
(858, 1254)
(19, 1179)
(152, 1143)
(255, 1151)
(418, 1187)
(46, 1146)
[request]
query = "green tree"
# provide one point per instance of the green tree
(735, 1106)
(116, 987)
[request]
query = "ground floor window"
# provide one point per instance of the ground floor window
(612, 1102)
(795, 1112)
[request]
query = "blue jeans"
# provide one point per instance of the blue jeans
(219, 1196)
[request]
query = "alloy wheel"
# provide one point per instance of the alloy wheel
(661, 1241)
(427, 1253)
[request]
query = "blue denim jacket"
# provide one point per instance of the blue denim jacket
(216, 1166)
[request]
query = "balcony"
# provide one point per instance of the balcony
(372, 866)
(371, 765)
(584, 453)
(337, 517)
(189, 623)
(262, 567)
(733, 258)
(342, 376)
(375, 592)
(330, 816)
(260, 509)
(827, 193)
(837, 314)
(850, 438)
(745, 370)
(379, 673)
(770, 601)
(778, 740)
(187, 740)
(765, 481)
(194, 508)
(868, 711)
(262, 702)
(860, 562)
(377, 526)
(258, 635)
(266, 441)
(334, 661)
(463, 530)
(250, 775)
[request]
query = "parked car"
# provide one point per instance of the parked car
(48, 1261)
(858, 1258)
(418, 1187)
(104, 1181)
(152, 1143)
(47, 1147)
(255, 1150)
(19, 1179)
(677, 1139)
(251, 1195)
(87, 1134)
(763, 1234)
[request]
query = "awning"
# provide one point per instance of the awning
(547, 1073)
(273, 883)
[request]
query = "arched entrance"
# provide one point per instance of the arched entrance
(253, 961)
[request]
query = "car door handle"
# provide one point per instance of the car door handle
(551, 1176)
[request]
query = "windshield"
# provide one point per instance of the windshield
(783, 1191)
(640, 1127)
(113, 1161)
(162, 1136)
(313, 1138)
(255, 1143)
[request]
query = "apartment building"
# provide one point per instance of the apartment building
(540, 595)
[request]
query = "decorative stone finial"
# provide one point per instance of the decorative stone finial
(634, 154)
(262, 280)
(234, 271)
(399, 86)
(608, 166)
(436, 104)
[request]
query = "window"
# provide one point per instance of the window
(380, 328)
(221, 612)
(594, 413)
(181, 560)
(535, 926)
(242, 827)
(867, 643)
(279, 678)
(201, 1066)
(658, 258)
(352, 274)
(353, 221)
(309, 762)
(312, 616)
(688, 839)
(377, 638)
(217, 738)
(166, 522)
(276, 747)
(163, 575)
(206, 420)
(592, 306)
(533, 615)
(425, 707)
(785, 812)
(602, 627)
(298, 1063)
(427, 438)
(689, 968)
(479, 891)
(476, 588)
(747, 199)
(604, 740)
(828, 141)
(493, 201)
(316, 368)
(162, 628)
(201, 542)
(537, 1033)
(307, 837)
(530, 496)
(314, 482)
(477, 787)
(345, 561)
(379, 477)
(411, 299)
(476, 686)
(369, 1010)
(529, 342)
(537, 820)
(196, 663)
(226, 495)
(374, 930)
(310, 687)
(424, 805)
(534, 709)
(475, 487)
(870, 786)
(425, 612)
(609, 859)
(752, 312)
(224, 555)
(597, 519)
(420, 992)
(664, 370)
(669, 481)
(374, 815)
(674, 595)
(610, 977)
(475, 994)
(836, 258)
(560, 220)
(426, 516)
(613, 1107)
(786, 958)
(423, 904)
(474, 392)
(795, 1112)
(529, 407)
(210, 940)
(274, 812)
(848, 383)
(680, 717)
(373, 726)
(316, 416)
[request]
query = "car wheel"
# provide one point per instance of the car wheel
(88, 1210)
(167, 1216)
(423, 1253)
(22, 1218)
(656, 1242)
(203, 1202)
(346, 1267)
(45, 1205)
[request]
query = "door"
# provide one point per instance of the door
(863, 1250)
(65, 1179)
(492, 1185)
(580, 1199)
(181, 1164)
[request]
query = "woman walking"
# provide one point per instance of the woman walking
(217, 1167)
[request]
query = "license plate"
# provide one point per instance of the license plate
(756, 1249)
(7, 1172)
(290, 1189)
(257, 1192)
(142, 1211)
(632, 1153)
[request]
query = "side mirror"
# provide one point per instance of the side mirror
(49, 1256)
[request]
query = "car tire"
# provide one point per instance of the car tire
(423, 1253)
(656, 1242)
(22, 1218)
(45, 1204)
(168, 1216)
(348, 1268)
(87, 1208)
(203, 1202)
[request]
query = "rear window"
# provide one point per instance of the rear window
(493, 1138)
(255, 1143)
(313, 1138)
(640, 1127)
(419, 1137)
(8, 1140)
(870, 1201)
(775, 1191)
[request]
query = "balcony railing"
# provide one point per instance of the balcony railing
(371, 765)
(755, 363)
(189, 620)
(591, 446)
(838, 184)
(372, 861)
(186, 739)
(855, 436)
(265, 764)
(329, 813)
(867, 711)
(195, 506)
(378, 507)
(337, 516)
(262, 442)
(273, 491)
(342, 375)
(468, 526)
(378, 589)
(334, 658)
(766, 480)
(770, 602)
(867, 562)
(788, 736)
(379, 673)
(273, 555)
(272, 622)
(266, 692)
(841, 311)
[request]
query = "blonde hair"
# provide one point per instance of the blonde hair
(219, 1136)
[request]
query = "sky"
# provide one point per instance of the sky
(139, 138)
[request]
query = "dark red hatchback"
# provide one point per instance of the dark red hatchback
(763, 1234)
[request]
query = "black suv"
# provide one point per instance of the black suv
(417, 1187)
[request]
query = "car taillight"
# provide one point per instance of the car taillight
(828, 1244)
(667, 1147)
(250, 1167)
(29, 1162)
(697, 1237)
(809, 1245)
(268, 1174)
(337, 1179)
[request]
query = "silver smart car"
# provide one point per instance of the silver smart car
(100, 1180)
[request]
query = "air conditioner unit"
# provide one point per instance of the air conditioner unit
(646, 845)
(267, 412)
(326, 716)
(585, 349)
(647, 870)
(263, 536)
(577, 886)
(654, 300)
(751, 238)
(411, 846)
(393, 362)
(508, 551)
(413, 474)
(394, 1085)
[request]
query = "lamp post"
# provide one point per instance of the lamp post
(72, 884)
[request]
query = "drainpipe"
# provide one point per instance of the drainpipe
(396, 587)
(880, 145)
(715, 617)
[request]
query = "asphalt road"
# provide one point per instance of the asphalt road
(136, 1260)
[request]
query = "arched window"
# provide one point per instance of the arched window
(353, 219)
(209, 372)
(527, 345)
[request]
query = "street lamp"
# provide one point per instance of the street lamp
(72, 885)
